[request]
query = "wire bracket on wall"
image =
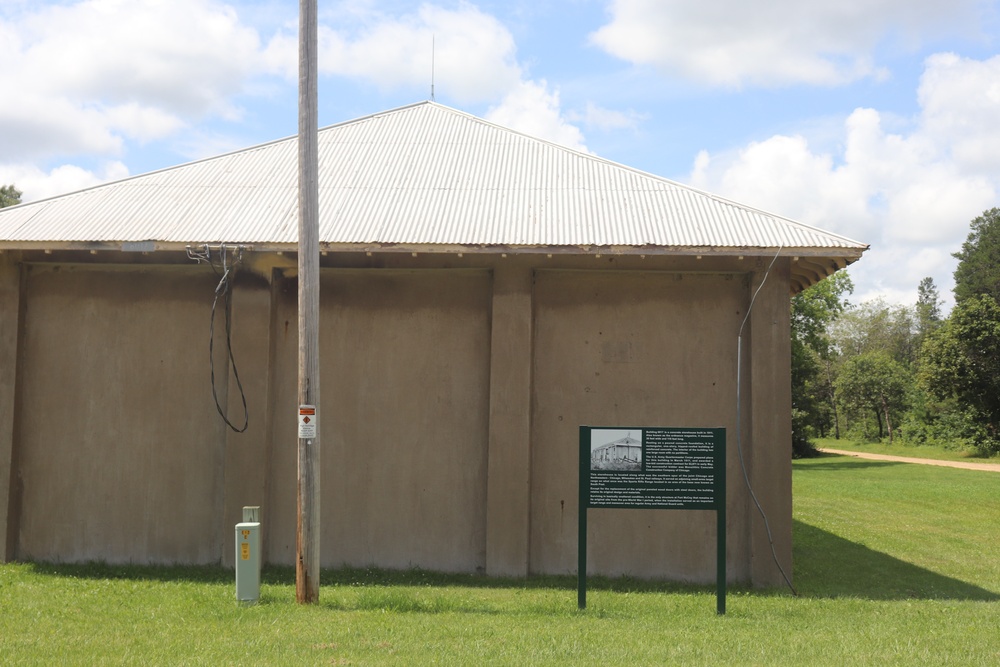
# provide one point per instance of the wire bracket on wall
(223, 260)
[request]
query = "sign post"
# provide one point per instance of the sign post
(653, 468)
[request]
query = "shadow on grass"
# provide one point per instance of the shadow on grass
(205, 574)
(278, 575)
(842, 462)
(397, 591)
(828, 566)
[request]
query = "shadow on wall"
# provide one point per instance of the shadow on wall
(828, 566)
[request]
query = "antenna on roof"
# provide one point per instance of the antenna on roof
(432, 68)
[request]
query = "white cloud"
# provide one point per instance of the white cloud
(92, 77)
(82, 77)
(35, 126)
(36, 184)
(909, 194)
(186, 56)
(143, 123)
(733, 42)
(470, 54)
(281, 55)
(530, 108)
(97, 77)
(960, 97)
(783, 175)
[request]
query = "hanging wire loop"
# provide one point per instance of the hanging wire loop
(224, 268)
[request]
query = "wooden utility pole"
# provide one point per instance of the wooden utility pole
(307, 522)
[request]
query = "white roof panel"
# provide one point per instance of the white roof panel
(417, 176)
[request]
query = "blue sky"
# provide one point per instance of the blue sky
(876, 119)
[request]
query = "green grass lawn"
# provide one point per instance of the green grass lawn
(895, 564)
(904, 449)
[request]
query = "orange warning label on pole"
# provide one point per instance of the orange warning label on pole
(308, 422)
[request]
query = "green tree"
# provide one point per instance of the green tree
(961, 360)
(808, 416)
(928, 419)
(928, 306)
(814, 310)
(877, 326)
(978, 270)
(9, 196)
(875, 383)
(814, 409)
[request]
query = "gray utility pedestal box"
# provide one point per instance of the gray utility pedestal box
(248, 562)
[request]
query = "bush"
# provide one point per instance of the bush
(802, 448)
(982, 440)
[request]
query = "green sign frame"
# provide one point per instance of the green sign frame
(655, 467)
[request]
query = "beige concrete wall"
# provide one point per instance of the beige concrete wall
(404, 361)
(451, 403)
(120, 448)
(631, 349)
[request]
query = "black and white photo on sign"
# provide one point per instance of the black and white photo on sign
(616, 449)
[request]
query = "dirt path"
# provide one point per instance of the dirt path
(993, 467)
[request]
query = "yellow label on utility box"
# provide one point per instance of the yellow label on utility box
(245, 551)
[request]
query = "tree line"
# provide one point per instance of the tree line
(878, 371)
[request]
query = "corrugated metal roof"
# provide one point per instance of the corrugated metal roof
(421, 175)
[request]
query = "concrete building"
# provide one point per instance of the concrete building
(483, 294)
(627, 450)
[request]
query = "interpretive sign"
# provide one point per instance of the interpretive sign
(653, 468)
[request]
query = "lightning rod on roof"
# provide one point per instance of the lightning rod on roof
(432, 68)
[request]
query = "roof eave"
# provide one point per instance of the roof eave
(850, 254)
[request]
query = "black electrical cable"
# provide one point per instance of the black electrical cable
(225, 289)
(739, 425)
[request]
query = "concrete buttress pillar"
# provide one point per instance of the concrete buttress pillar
(770, 441)
(509, 462)
(10, 326)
